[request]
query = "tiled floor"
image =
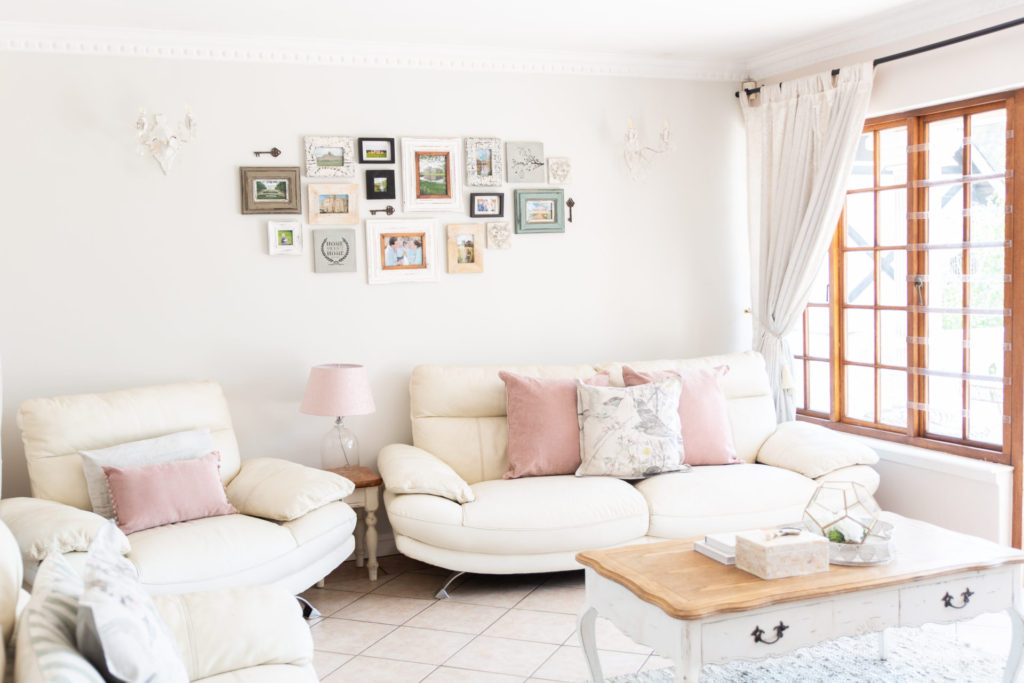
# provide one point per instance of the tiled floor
(494, 629)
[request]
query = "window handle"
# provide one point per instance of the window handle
(918, 284)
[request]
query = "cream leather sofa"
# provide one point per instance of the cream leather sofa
(204, 554)
(538, 524)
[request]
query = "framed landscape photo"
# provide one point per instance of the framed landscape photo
(376, 150)
(270, 189)
(485, 163)
(380, 184)
(466, 248)
(330, 156)
(540, 211)
(431, 174)
(487, 204)
(284, 237)
(401, 250)
(525, 162)
(333, 204)
(334, 251)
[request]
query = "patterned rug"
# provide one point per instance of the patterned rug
(921, 655)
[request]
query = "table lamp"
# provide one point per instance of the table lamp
(338, 389)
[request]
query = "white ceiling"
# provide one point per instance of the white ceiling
(708, 38)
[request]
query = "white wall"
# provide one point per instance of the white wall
(114, 275)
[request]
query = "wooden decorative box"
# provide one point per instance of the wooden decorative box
(767, 554)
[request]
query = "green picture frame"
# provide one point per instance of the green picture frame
(540, 211)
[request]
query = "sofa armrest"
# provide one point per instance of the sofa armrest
(861, 474)
(226, 630)
(813, 450)
(42, 526)
(282, 490)
(407, 469)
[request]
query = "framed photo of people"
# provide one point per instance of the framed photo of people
(401, 250)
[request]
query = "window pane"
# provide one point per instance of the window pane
(818, 332)
(892, 337)
(892, 390)
(892, 156)
(987, 286)
(863, 173)
(860, 220)
(988, 141)
(859, 345)
(945, 342)
(819, 290)
(820, 399)
(985, 420)
(945, 214)
(986, 345)
(892, 218)
(945, 287)
(860, 393)
(892, 278)
(945, 148)
(945, 406)
(988, 211)
(798, 385)
(860, 278)
(795, 339)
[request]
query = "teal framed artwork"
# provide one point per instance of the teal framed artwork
(540, 211)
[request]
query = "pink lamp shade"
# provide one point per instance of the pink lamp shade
(338, 390)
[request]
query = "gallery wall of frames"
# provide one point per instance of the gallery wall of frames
(360, 191)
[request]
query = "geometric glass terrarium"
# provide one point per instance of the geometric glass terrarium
(847, 515)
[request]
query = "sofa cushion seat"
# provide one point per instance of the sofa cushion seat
(529, 515)
(717, 498)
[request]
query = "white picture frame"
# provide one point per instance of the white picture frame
(416, 262)
(431, 174)
(321, 147)
(485, 162)
(284, 238)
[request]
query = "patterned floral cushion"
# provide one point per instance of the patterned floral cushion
(630, 432)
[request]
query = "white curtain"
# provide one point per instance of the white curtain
(801, 139)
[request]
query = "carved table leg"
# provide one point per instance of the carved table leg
(585, 630)
(372, 503)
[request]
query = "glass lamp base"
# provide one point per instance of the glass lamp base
(339, 447)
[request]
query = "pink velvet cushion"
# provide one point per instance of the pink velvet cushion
(707, 434)
(153, 495)
(543, 427)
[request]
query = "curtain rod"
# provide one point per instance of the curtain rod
(923, 48)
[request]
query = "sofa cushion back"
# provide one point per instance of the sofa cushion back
(55, 429)
(458, 414)
(747, 394)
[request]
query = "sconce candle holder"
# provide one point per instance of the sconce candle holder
(638, 156)
(162, 141)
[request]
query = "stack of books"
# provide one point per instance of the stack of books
(720, 547)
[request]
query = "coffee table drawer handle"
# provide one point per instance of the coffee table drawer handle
(947, 599)
(758, 632)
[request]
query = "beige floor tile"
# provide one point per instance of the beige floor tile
(329, 601)
(569, 664)
(495, 591)
(373, 670)
(461, 617)
(446, 674)
(412, 585)
(567, 599)
(326, 662)
(502, 655)
(425, 646)
(610, 638)
(384, 609)
(542, 627)
(358, 583)
(347, 637)
(657, 662)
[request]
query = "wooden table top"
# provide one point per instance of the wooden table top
(688, 585)
(359, 475)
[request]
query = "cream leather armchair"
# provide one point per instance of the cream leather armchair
(285, 536)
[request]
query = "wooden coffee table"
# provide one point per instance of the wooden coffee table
(696, 611)
(366, 496)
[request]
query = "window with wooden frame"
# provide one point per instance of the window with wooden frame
(916, 338)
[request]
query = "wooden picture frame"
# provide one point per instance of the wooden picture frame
(284, 238)
(487, 204)
(380, 184)
(401, 250)
(466, 248)
(540, 211)
(376, 150)
(270, 189)
(485, 162)
(332, 203)
(330, 156)
(431, 174)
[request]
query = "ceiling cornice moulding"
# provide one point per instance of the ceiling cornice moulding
(899, 24)
(125, 42)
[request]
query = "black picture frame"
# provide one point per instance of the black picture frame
(477, 214)
(388, 142)
(389, 177)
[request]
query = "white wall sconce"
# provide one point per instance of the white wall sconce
(638, 157)
(160, 140)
